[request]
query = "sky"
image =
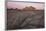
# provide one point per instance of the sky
(21, 5)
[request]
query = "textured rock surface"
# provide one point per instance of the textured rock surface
(25, 19)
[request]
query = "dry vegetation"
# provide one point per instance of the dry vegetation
(26, 18)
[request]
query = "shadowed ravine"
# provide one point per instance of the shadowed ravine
(25, 19)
